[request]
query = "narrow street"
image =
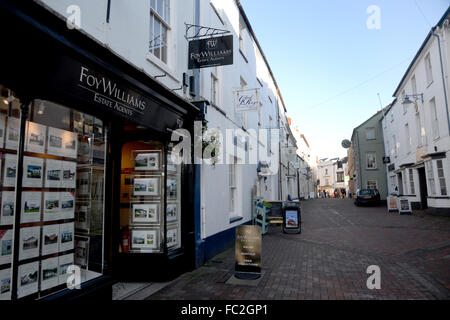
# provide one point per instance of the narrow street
(328, 260)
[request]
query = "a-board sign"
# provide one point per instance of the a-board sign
(392, 204)
(276, 210)
(404, 205)
(291, 219)
(248, 249)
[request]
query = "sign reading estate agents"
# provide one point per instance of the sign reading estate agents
(211, 52)
(248, 249)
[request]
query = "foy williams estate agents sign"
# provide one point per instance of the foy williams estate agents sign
(211, 52)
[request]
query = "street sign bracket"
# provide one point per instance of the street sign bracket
(202, 32)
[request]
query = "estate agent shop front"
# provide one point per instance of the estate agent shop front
(84, 172)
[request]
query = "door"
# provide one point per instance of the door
(423, 188)
(400, 183)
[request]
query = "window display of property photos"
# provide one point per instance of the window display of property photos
(143, 195)
(61, 198)
(173, 210)
(9, 144)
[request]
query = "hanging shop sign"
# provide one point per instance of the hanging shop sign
(290, 154)
(210, 52)
(247, 100)
(248, 250)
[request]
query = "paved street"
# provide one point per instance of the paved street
(328, 260)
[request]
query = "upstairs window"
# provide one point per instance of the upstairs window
(370, 134)
(428, 69)
(159, 28)
(371, 160)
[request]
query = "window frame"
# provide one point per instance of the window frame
(155, 16)
(375, 160)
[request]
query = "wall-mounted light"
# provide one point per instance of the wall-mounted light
(407, 99)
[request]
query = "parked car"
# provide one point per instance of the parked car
(367, 196)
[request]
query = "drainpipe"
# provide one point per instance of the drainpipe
(198, 207)
(443, 78)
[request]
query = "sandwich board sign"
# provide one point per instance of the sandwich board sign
(248, 252)
(392, 204)
(404, 205)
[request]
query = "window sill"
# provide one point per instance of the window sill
(236, 219)
(162, 66)
(243, 55)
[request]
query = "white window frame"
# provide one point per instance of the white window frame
(428, 69)
(408, 139)
(367, 160)
(419, 130)
(164, 23)
(434, 119)
(242, 40)
(441, 177)
(374, 133)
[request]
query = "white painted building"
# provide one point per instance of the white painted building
(331, 175)
(150, 35)
(416, 134)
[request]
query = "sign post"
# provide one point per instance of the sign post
(248, 252)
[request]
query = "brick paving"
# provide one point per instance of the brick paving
(328, 260)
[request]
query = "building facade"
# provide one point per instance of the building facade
(92, 124)
(367, 152)
(416, 127)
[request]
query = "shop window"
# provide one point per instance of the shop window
(411, 181)
(441, 177)
(146, 195)
(372, 184)
(9, 143)
(61, 197)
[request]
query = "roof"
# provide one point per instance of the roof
(378, 112)
(430, 34)
(249, 26)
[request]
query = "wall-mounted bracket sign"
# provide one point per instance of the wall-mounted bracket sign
(210, 52)
(248, 252)
(247, 100)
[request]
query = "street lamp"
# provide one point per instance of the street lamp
(407, 100)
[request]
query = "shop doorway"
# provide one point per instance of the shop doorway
(423, 188)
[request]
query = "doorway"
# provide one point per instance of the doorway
(423, 188)
(400, 183)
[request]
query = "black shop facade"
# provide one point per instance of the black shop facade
(89, 192)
